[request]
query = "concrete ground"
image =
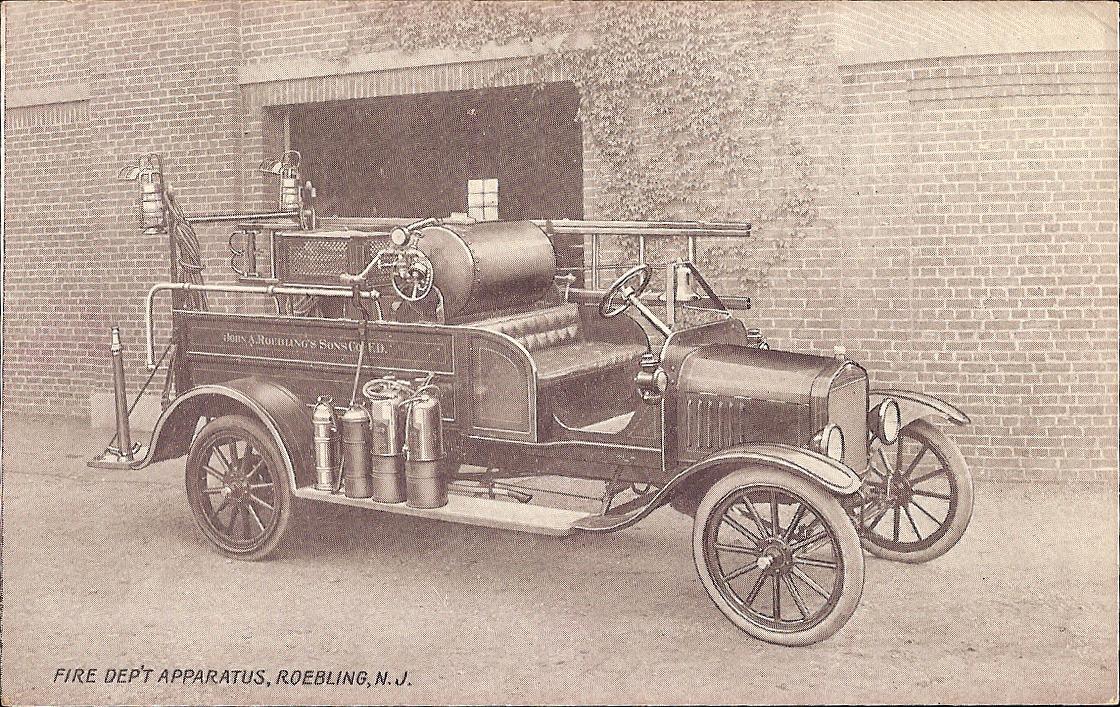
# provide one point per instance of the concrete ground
(106, 570)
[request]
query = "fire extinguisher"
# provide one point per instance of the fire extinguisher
(327, 457)
(386, 399)
(357, 472)
(425, 480)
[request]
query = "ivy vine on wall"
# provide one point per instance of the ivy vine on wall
(691, 108)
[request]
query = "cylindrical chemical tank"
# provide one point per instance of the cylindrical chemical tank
(426, 482)
(387, 442)
(325, 425)
(489, 265)
(357, 477)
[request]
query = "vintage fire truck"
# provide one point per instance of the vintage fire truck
(437, 368)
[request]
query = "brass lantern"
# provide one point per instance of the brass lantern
(287, 168)
(148, 171)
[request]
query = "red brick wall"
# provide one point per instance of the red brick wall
(966, 246)
(159, 78)
(48, 310)
(979, 218)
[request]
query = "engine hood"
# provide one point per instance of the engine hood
(760, 374)
(729, 394)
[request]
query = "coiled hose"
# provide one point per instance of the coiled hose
(188, 253)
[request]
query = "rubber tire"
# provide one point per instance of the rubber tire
(958, 468)
(830, 511)
(264, 443)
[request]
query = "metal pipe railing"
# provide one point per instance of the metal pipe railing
(575, 226)
(268, 290)
(224, 218)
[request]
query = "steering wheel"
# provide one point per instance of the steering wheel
(632, 284)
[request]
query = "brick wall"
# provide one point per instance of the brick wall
(47, 46)
(979, 217)
(966, 245)
(47, 252)
(46, 225)
(796, 305)
(869, 31)
(155, 78)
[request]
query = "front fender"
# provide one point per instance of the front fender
(287, 420)
(829, 473)
(915, 406)
(826, 472)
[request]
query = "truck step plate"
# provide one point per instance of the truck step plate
(486, 512)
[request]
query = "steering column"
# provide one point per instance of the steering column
(626, 292)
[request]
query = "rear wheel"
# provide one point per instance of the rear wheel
(778, 555)
(918, 496)
(237, 488)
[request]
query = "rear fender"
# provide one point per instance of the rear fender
(916, 406)
(287, 420)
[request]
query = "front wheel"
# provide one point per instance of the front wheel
(237, 488)
(918, 496)
(778, 555)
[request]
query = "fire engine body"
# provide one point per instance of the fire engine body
(428, 368)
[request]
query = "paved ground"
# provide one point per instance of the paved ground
(106, 570)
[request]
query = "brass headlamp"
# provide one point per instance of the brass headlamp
(885, 421)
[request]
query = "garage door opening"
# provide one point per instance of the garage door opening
(498, 153)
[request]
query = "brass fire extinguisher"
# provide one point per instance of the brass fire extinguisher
(327, 457)
(357, 477)
(386, 398)
(426, 482)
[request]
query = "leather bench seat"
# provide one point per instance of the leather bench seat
(555, 342)
(583, 357)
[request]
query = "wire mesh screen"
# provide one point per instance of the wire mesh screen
(320, 259)
(316, 258)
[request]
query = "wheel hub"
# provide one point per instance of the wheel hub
(899, 490)
(776, 557)
(235, 485)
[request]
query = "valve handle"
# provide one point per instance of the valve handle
(380, 386)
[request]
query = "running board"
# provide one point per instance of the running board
(489, 513)
(604, 523)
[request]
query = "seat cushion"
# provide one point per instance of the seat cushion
(583, 357)
(555, 342)
(541, 329)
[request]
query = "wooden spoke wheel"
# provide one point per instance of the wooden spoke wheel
(918, 496)
(237, 488)
(779, 556)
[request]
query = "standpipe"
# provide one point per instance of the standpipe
(124, 436)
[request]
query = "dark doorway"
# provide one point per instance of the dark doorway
(414, 155)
